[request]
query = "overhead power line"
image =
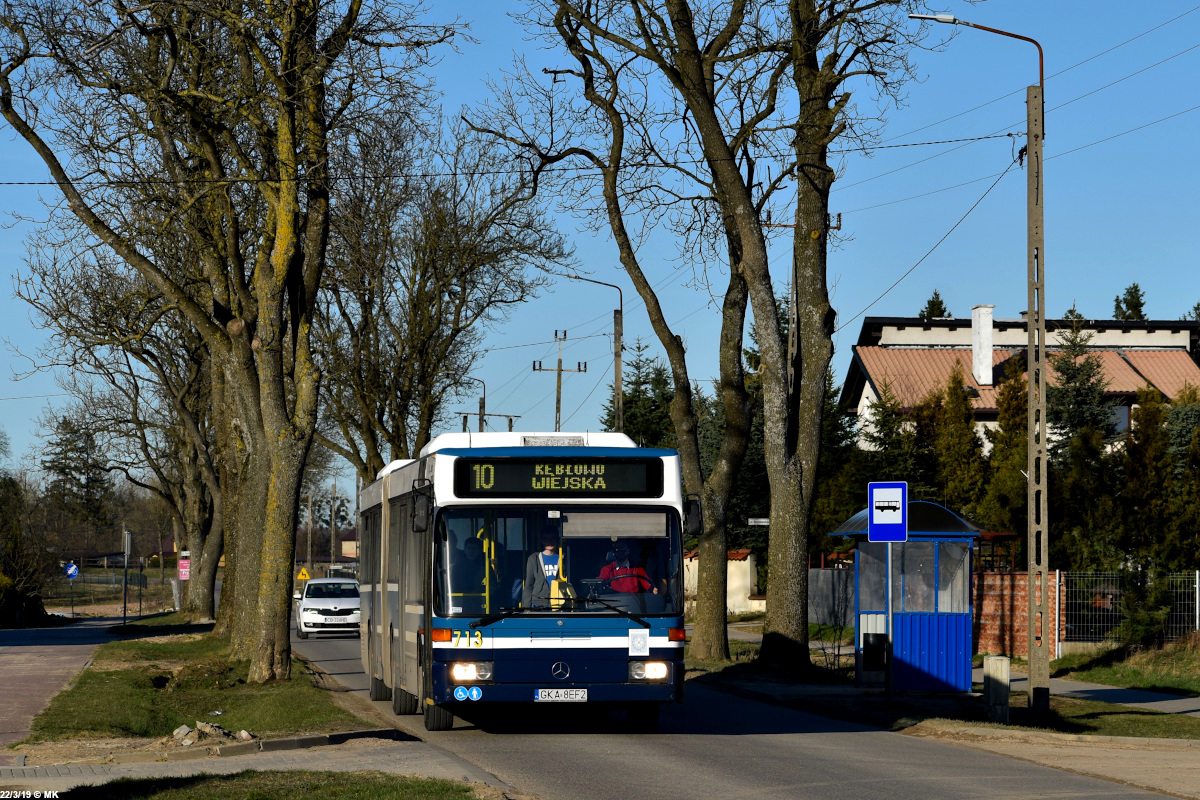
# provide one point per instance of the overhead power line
(929, 252)
(85, 184)
(1055, 75)
(996, 134)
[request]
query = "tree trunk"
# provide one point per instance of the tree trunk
(794, 397)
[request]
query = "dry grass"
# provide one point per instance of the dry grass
(1174, 668)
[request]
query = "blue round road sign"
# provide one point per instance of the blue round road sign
(71, 570)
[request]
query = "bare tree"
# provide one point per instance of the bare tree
(210, 121)
(421, 266)
(705, 118)
(141, 376)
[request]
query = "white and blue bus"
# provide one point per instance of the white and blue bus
(525, 568)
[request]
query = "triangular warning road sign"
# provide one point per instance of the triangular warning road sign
(303, 576)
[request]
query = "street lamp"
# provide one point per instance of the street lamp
(618, 321)
(1038, 528)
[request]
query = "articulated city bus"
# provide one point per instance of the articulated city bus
(525, 568)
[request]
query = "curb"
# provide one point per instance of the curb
(984, 732)
(1008, 733)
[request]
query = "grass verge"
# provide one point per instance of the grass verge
(740, 653)
(899, 712)
(1070, 715)
(149, 687)
(309, 785)
(1174, 668)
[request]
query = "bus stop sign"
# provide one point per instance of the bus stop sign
(887, 506)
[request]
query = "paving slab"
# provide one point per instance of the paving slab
(36, 664)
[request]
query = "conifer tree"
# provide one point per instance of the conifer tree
(1004, 502)
(934, 307)
(1075, 395)
(1130, 305)
(959, 451)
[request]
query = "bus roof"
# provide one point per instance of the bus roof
(586, 439)
(558, 452)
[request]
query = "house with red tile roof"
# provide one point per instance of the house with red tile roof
(915, 357)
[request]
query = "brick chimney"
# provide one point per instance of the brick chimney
(981, 344)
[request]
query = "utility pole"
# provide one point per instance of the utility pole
(1040, 632)
(309, 560)
(580, 366)
(333, 524)
(618, 348)
(466, 415)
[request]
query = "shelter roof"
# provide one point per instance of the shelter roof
(924, 517)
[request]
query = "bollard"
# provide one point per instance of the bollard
(996, 687)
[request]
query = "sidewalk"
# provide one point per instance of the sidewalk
(35, 665)
(1138, 698)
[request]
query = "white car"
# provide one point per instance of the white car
(327, 605)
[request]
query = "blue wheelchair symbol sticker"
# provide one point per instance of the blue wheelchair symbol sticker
(460, 693)
(475, 693)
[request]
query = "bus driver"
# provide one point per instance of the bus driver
(622, 576)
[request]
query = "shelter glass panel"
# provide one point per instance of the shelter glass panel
(953, 573)
(872, 576)
(913, 576)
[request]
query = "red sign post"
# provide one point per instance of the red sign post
(185, 566)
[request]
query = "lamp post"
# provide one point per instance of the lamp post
(618, 321)
(1039, 624)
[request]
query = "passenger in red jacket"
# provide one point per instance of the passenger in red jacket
(624, 577)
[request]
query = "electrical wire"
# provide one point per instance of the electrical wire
(1055, 75)
(589, 394)
(930, 251)
(86, 185)
(996, 133)
(35, 396)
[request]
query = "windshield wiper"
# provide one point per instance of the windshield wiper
(606, 604)
(503, 613)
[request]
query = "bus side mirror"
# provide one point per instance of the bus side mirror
(693, 515)
(422, 507)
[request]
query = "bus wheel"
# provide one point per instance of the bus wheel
(642, 717)
(438, 718)
(402, 702)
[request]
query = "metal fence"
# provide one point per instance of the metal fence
(1092, 607)
(1184, 618)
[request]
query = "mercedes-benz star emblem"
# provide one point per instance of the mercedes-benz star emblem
(560, 670)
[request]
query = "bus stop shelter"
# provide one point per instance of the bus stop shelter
(930, 637)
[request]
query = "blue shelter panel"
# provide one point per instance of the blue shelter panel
(932, 652)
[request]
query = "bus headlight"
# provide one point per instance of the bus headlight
(466, 671)
(647, 670)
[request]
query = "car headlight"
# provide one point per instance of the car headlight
(465, 671)
(647, 670)
(310, 611)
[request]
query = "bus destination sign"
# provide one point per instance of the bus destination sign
(561, 477)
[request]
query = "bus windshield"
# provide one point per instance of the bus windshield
(561, 560)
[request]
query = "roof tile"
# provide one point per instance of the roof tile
(914, 372)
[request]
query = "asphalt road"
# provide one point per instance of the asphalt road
(716, 745)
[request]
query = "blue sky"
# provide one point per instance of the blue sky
(1116, 212)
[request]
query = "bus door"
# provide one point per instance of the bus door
(412, 594)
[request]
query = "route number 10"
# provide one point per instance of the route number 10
(485, 477)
